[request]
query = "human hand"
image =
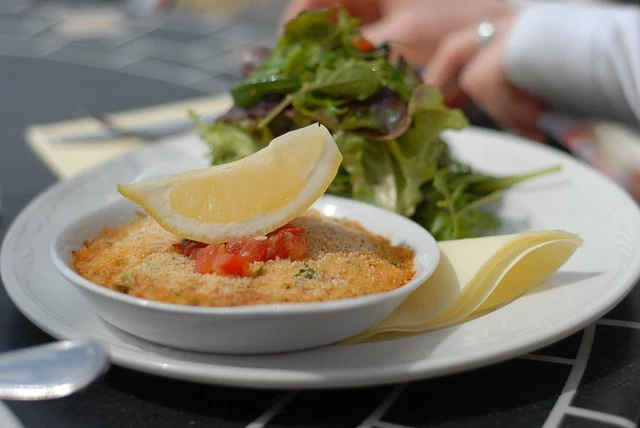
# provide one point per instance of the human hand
(462, 68)
(414, 28)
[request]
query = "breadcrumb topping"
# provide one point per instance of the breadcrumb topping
(345, 260)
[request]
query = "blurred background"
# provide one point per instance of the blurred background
(62, 60)
(196, 45)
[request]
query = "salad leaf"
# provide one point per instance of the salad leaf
(384, 117)
(253, 89)
(386, 123)
(420, 152)
(352, 79)
(310, 25)
(395, 79)
(352, 147)
(227, 142)
(450, 212)
(407, 74)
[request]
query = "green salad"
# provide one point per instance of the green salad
(385, 121)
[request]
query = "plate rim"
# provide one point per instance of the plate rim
(272, 378)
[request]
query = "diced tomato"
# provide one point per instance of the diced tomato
(216, 259)
(286, 244)
(271, 248)
(293, 229)
(189, 248)
(362, 44)
(251, 249)
(206, 257)
(236, 257)
(193, 246)
(297, 247)
(231, 264)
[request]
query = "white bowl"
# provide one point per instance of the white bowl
(251, 329)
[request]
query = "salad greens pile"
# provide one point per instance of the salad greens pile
(385, 121)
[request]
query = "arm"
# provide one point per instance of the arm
(582, 59)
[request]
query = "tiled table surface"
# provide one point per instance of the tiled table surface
(591, 379)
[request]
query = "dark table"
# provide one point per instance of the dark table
(591, 379)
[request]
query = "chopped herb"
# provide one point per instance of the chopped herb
(122, 288)
(127, 278)
(194, 302)
(306, 272)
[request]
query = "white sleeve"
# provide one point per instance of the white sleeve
(581, 59)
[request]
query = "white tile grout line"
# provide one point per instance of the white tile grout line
(573, 380)
(40, 30)
(115, 65)
(549, 359)
(383, 424)
(16, 10)
(374, 418)
(118, 62)
(132, 38)
(44, 56)
(46, 52)
(602, 417)
(619, 323)
(262, 420)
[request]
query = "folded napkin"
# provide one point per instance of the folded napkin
(66, 159)
(476, 276)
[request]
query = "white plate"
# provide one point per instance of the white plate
(577, 200)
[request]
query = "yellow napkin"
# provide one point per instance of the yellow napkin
(475, 276)
(68, 159)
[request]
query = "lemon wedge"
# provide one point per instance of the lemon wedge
(248, 197)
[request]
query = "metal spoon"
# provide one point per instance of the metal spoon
(53, 370)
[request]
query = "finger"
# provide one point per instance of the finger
(455, 98)
(445, 65)
(379, 31)
(526, 113)
(510, 107)
(449, 58)
(483, 78)
(404, 32)
(391, 28)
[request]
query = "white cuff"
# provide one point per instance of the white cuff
(582, 59)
